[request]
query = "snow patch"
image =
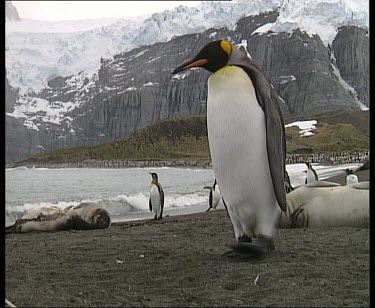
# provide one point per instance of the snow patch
(286, 79)
(181, 75)
(244, 45)
(344, 84)
(305, 127)
(150, 84)
(41, 110)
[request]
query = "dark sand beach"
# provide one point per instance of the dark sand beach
(179, 263)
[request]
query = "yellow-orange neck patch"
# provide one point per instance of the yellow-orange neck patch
(226, 46)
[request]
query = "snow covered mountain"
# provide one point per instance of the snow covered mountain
(112, 77)
(37, 51)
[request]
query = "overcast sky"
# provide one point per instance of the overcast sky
(73, 10)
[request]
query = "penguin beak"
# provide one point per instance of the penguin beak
(190, 64)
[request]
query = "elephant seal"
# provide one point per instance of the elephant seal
(341, 206)
(84, 216)
(43, 218)
(89, 215)
(298, 196)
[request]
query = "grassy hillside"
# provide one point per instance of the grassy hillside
(185, 138)
(335, 131)
(182, 138)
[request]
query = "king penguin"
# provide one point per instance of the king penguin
(156, 201)
(246, 138)
(311, 175)
(350, 177)
(214, 197)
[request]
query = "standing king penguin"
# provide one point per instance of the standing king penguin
(156, 201)
(350, 177)
(247, 143)
(214, 197)
(311, 174)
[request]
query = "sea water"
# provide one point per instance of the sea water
(124, 192)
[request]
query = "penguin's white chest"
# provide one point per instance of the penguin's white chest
(155, 198)
(237, 140)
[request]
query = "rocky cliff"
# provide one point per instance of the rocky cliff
(136, 88)
(351, 52)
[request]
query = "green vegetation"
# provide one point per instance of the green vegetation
(182, 138)
(185, 138)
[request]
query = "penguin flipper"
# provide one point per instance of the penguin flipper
(161, 193)
(150, 205)
(315, 174)
(276, 149)
(275, 130)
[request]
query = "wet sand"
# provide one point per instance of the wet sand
(179, 262)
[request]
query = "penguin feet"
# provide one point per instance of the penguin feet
(246, 246)
(266, 241)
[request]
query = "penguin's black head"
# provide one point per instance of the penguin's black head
(154, 177)
(349, 171)
(212, 57)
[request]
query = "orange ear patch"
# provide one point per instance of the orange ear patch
(226, 46)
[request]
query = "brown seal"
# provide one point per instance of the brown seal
(89, 215)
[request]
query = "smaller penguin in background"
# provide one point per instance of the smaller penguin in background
(288, 186)
(156, 201)
(351, 177)
(311, 175)
(214, 198)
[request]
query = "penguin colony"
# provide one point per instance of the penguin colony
(246, 138)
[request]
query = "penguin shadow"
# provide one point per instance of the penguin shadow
(244, 254)
(158, 220)
(254, 258)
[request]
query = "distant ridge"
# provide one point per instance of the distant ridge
(185, 138)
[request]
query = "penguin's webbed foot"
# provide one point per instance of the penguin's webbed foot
(245, 246)
(266, 242)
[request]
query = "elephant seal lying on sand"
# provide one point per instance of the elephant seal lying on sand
(325, 204)
(298, 196)
(43, 218)
(89, 215)
(84, 216)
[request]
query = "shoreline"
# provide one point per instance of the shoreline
(324, 159)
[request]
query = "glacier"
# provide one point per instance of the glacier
(37, 51)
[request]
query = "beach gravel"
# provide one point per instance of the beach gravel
(178, 262)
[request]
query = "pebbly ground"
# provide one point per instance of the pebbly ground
(179, 263)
